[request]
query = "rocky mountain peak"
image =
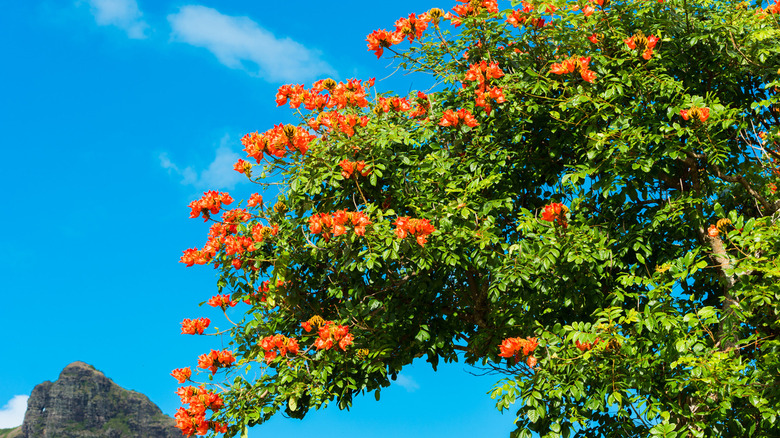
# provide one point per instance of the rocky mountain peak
(84, 403)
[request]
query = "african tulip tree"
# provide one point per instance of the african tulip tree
(585, 204)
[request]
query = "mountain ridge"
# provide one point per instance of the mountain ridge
(84, 403)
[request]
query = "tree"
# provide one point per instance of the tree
(584, 204)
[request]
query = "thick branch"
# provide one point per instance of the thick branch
(726, 339)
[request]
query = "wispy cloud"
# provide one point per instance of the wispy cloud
(407, 383)
(218, 175)
(241, 43)
(123, 14)
(12, 414)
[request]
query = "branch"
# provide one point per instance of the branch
(771, 208)
(720, 257)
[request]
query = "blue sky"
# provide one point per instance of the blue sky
(114, 115)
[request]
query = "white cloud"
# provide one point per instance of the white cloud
(12, 414)
(240, 43)
(123, 14)
(408, 383)
(218, 175)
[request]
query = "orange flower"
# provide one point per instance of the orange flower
(585, 346)
(509, 347)
(643, 44)
(349, 167)
(278, 345)
(209, 203)
(182, 374)
(194, 326)
(335, 224)
(516, 347)
(192, 421)
(482, 73)
(518, 17)
(378, 40)
(589, 76)
(588, 10)
(221, 301)
(244, 167)
(412, 27)
(574, 64)
(695, 112)
(555, 212)
(713, 231)
(419, 228)
(423, 105)
(254, 200)
(331, 334)
(449, 118)
(452, 118)
(193, 256)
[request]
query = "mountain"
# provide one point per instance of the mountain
(84, 403)
(11, 433)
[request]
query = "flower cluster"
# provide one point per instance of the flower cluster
(236, 216)
(419, 228)
(518, 347)
(588, 9)
(222, 301)
(192, 421)
(519, 17)
(585, 346)
(642, 44)
(260, 232)
(339, 95)
(405, 28)
(237, 245)
(277, 141)
(209, 203)
(695, 112)
(392, 104)
(259, 296)
(471, 8)
(332, 334)
(452, 118)
(255, 200)
(412, 27)
(182, 374)
(350, 167)
(381, 39)
(243, 166)
(316, 320)
(194, 326)
(223, 236)
(575, 64)
(772, 9)
(194, 256)
(335, 224)
(423, 105)
(333, 119)
(216, 359)
(720, 226)
(482, 73)
(278, 344)
(555, 212)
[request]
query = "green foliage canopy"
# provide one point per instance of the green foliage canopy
(653, 295)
